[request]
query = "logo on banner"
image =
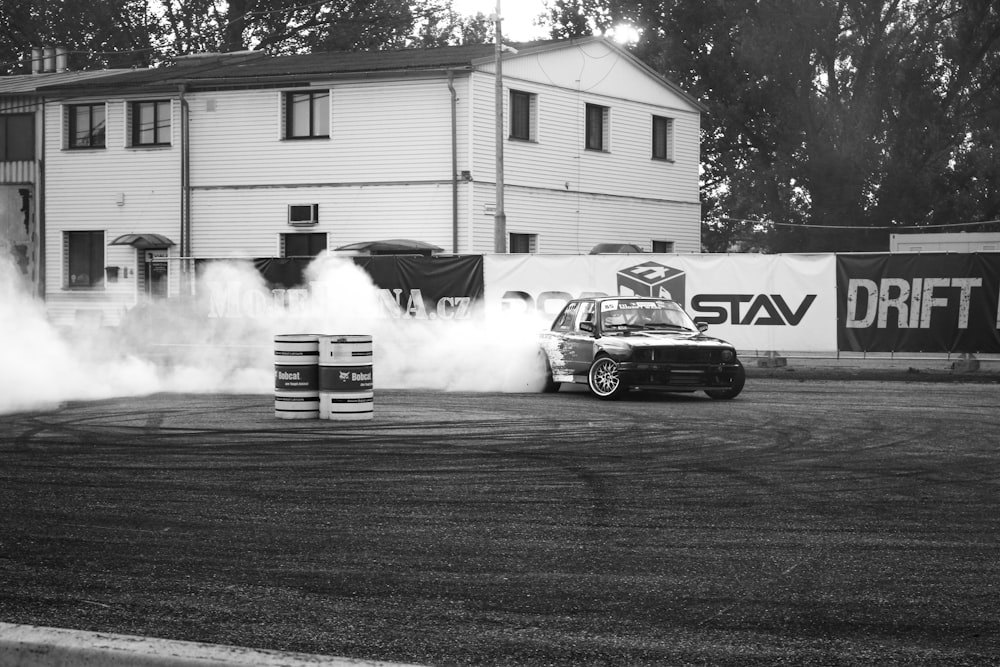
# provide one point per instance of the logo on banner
(755, 309)
(908, 303)
(647, 279)
(652, 279)
(662, 281)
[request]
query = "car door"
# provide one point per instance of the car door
(579, 342)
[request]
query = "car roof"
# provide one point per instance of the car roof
(622, 298)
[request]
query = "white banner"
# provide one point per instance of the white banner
(756, 302)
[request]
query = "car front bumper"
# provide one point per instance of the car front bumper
(682, 377)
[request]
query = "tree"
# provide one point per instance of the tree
(96, 33)
(836, 121)
(289, 26)
(444, 26)
(126, 33)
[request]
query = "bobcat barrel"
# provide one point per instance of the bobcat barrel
(296, 376)
(346, 390)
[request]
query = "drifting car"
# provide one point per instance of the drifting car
(617, 343)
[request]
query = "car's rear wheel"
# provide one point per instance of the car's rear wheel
(733, 390)
(604, 379)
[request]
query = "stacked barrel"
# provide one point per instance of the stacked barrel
(345, 378)
(296, 376)
(323, 377)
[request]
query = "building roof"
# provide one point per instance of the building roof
(253, 69)
(27, 84)
(250, 68)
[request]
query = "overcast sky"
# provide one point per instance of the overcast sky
(518, 16)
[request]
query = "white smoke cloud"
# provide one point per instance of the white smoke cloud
(176, 345)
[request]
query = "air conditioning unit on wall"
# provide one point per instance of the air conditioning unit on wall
(303, 215)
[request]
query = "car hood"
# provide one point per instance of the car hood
(642, 339)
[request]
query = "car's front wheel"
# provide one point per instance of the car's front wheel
(604, 379)
(733, 390)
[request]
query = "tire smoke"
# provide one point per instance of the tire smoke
(221, 340)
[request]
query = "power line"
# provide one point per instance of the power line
(857, 227)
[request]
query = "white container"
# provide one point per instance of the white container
(346, 389)
(296, 376)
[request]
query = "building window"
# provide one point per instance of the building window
(597, 128)
(17, 137)
(663, 246)
(523, 243)
(86, 126)
(150, 123)
(663, 138)
(84, 259)
(522, 115)
(302, 245)
(307, 115)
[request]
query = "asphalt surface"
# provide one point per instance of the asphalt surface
(833, 520)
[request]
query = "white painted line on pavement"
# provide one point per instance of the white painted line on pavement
(35, 646)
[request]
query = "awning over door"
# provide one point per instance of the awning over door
(144, 241)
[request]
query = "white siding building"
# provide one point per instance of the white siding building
(245, 155)
(21, 174)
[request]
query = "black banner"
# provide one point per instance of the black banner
(934, 302)
(432, 288)
(408, 286)
(283, 272)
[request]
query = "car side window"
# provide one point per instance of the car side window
(586, 314)
(566, 320)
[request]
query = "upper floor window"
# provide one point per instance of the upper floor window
(83, 259)
(597, 127)
(307, 115)
(86, 126)
(663, 138)
(149, 123)
(522, 115)
(17, 137)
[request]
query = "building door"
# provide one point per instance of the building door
(157, 271)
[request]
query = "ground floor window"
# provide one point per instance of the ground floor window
(523, 243)
(663, 246)
(83, 259)
(302, 244)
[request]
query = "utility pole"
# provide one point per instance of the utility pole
(500, 217)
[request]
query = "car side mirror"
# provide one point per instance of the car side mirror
(702, 326)
(587, 326)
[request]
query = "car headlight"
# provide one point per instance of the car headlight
(728, 355)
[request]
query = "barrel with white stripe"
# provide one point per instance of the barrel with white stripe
(296, 376)
(346, 389)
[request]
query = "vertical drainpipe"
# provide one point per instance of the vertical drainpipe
(454, 162)
(39, 195)
(185, 192)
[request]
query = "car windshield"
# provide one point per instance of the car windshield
(631, 314)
